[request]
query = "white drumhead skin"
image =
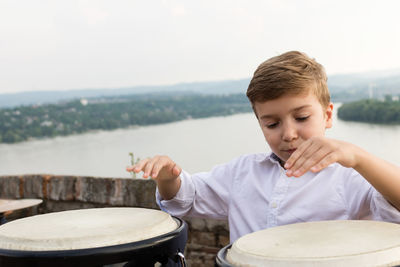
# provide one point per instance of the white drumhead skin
(16, 204)
(325, 243)
(85, 228)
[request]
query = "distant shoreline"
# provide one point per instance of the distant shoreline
(75, 117)
(385, 112)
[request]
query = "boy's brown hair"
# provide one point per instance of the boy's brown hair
(290, 73)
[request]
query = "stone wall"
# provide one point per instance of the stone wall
(59, 193)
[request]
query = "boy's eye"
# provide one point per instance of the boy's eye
(272, 125)
(302, 118)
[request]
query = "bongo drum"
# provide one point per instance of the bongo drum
(325, 243)
(10, 205)
(94, 237)
(16, 204)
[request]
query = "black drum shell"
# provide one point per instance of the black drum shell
(161, 249)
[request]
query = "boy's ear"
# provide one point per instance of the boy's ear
(328, 116)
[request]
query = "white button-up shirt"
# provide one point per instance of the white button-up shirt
(253, 193)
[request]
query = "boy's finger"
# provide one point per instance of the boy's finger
(296, 159)
(316, 158)
(168, 165)
(157, 167)
(296, 155)
(140, 165)
(309, 163)
(310, 156)
(176, 170)
(134, 168)
(325, 162)
(148, 168)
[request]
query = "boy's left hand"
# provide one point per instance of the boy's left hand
(318, 153)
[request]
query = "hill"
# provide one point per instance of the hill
(343, 88)
(352, 87)
(25, 122)
(47, 97)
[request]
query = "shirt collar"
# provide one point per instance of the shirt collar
(273, 158)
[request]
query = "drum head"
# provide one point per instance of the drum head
(88, 228)
(16, 204)
(326, 243)
(90, 237)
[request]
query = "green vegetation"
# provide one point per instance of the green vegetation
(133, 162)
(26, 122)
(372, 111)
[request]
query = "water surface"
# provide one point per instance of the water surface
(196, 145)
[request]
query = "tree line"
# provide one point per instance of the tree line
(78, 116)
(372, 111)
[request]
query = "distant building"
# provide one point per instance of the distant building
(84, 102)
(46, 123)
(371, 90)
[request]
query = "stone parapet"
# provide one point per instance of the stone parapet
(61, 193)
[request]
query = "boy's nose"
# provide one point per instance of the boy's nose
(289, 133)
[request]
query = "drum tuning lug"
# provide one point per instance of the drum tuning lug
(181, 259)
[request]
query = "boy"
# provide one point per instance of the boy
(306, 177)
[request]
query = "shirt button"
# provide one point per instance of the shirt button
(273, 205)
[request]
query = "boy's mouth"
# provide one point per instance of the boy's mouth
(290, 151)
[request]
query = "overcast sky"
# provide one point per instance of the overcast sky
(77, 44)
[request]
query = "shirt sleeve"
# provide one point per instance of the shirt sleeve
(382, 210)
(365, 202)
(204, 194)
(181, 204)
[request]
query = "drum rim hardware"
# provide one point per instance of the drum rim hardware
(221, 256)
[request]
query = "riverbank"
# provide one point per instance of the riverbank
(80, 116)
(371, 111)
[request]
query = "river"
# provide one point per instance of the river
(196, 145)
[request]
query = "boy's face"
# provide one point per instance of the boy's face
(289, 120)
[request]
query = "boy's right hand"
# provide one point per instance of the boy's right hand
(159, 168)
